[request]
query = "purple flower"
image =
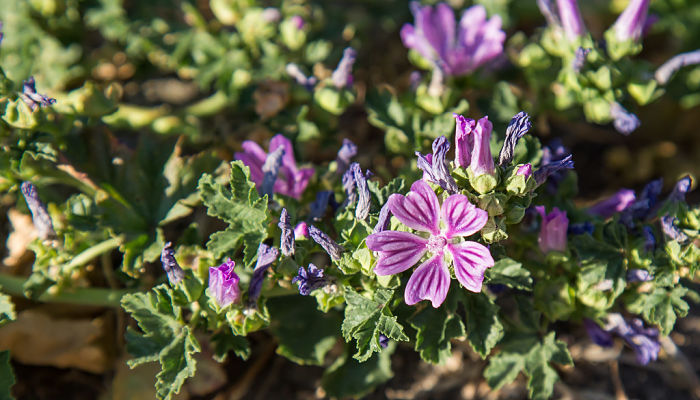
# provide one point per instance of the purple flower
(668, 225)
(473, 145)
(294, 71)
(644, 341)
(517, 128)
(170, 265)
(363, 196)
(399, 251)
(347, 151)
(223, 284)
(454, 50)
(682, 187)
(645, 203)
(624, 121)
(309, 280)
(579, 59)
(435, 167)
(598, 335)
(665, 71)
(630, 24)
(40, 215)
(342, 76)
(301, 231)
(613, 204)
(383, 340)
(319, 206)
(333, 249)
(298, 22)
(553, 230)
(524, 170)
(270, 170)
(552, 168)
(293, 180)
(638, 275)
(570, 17)
(287, 237)
(266, 256)
(33, 99)
(649, 239)
(383, 220)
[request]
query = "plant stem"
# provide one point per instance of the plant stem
(94, 251)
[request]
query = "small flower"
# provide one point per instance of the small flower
(664, 73)
(630, 24)
(598, 335)
(614, 204)
(553, 230)
(644, 205)
(464, 140)
(293, 180)
(668, 225)
(454, 50)
(271, 169)
(342, 76)
(294, 71)
(33, 99)
(301, 231)
(383, 220)
(347, 151)
(170, 265)
(223, 284)
(298, 22)
(517, 128)
(266, 256)
(40, 215)
(680, 189)
(579, 59)
(473, 145)
(624, 121)
(552, 168)
(287, 238)
(319, 206)
(333, 249)
(436, 168)
(363, 198)
(638, 275)
(383, 341)
(571, 20)
(399, 251)
(644, 341)
(524, 170)
(309, 279)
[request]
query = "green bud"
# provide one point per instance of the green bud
(515, 214)
(644, 92)
(617, 50)
(597, 110)
(18, 114)
(133, 117)
(416, 59)
(519, 185)
(241, 78)
(90, 101)
(333, 100)
(483, 183)
(533, 56)
(431, 104)
(492, 202)
(494, 230)
(292, 36)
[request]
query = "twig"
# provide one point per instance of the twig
(617, 382)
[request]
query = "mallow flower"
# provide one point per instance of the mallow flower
(613, 204)
(630, 24)
(444, 226)
(553, 230)
(292, 181)
(473, 149)
(455, 50)
(223, 284)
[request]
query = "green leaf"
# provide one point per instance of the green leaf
(484, 328)
(347, 377)
(661, 307)
(164, 339)
(225, 341)
(503, 368)
(241, 207)
(304, 334)
(7, 309)
(511, 273)
(7, 376)
(435, 328)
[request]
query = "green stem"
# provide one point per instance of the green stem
(14, 286)
(94, 251)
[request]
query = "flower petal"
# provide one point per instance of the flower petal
(462, 217)
(399, 251)
(471, 260)
(430, 281)
(288, 158)
(418, 209)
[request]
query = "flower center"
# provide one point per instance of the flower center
(436, 244)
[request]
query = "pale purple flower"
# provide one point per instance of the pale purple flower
(170, 265)
(644, 341)
(638, 275)
(464, 140)
(347, 151)
(384, 218)
(295, 72)
(598, 335)
(363, 196)
(342, 76)
(553, 168)
(613, 204)
(445, 225)
(472, 141)
(266, 256)
(630, 24)
(333, 249)
(517, 128)
(40, 215)
(455, 50)
(680, 189)
(271, 14)
(570, 17)
(270, 170)
(524, 170)
(298, 22)
(292, 181)
(309, 279)
(287, 237)
(552, 230)
(664, 72)
(383, 340)
(223, 284)
(301, 231)
(624, 121)
(668, 225)
(579, 59)
(435, 167)
(33, 99)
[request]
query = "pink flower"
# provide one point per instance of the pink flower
(472, 141)
(399, 251)
(292, 181)
(553, 230)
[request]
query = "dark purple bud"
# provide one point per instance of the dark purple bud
(363, 202)
(524, 170)
(597, 334)
(638, 275)
(664, 73)
(347, 151)
(40, 215)
(624, 121)
(294, 71)
(301, 231)
(436, 168)
(309, 280)
(579, 59)
(668, 224)
(266, 256)
(287, 237)
(546, 170)
(383, 340)
(649, 239)
(170, 265)
(349, 187)
(517, 128)
(644, 341)
(319, 206)
(342, 76)
(682, 187)
(384, 218)
(333, 249)
(33, 99)
(271, 169)
(644, 205)
(223, 284)
(613, 204)
(581, 228)
(554, 151)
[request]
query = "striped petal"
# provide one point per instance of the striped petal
(471, 260)
(430, 281)
(398, 251)
(462, 217)
(419, 209)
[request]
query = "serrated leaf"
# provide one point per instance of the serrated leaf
(511, 273)
(241, 207)
(541, 375)
(347, 377)
(661, 307)
(7, 376)
(435, 328)
(503, 368)
(484, 328)
(225, 341)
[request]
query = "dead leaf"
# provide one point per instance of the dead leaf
(23, 232)
(271, 98)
